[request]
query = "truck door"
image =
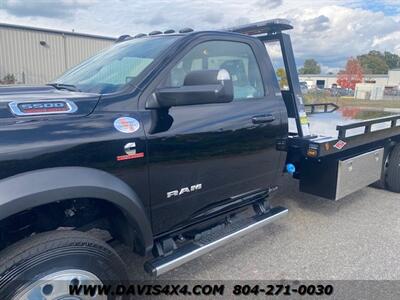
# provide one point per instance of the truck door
(208, 153)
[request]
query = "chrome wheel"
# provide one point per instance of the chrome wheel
(55, 286)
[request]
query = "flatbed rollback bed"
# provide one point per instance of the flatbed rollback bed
(333, 167)
(328, 166)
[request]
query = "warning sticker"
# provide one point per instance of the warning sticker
(304, 120)
(339, 145)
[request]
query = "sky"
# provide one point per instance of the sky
(329, 31)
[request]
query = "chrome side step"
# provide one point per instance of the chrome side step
(209, 242)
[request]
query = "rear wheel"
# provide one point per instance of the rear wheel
(44, 265)
(393, 170)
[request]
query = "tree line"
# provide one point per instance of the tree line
(374, 62)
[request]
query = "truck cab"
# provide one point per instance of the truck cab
(227, 149)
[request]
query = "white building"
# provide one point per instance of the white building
(387, 87)
(318, 80)
(374, 86)
(37, 55)
(326, 81)
(394, 77)
(369, 91)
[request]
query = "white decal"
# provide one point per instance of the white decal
(126, 124)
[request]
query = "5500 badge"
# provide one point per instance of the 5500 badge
(43, 107)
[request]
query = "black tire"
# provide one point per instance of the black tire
(381, 183)
(33, 258)
(393, 170)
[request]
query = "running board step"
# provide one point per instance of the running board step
(209, 242)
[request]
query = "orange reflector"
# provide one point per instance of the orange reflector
(312, 152)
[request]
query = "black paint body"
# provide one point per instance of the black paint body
(216, 145)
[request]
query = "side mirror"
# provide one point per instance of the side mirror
(199, 87)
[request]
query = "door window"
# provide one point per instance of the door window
(235, 57)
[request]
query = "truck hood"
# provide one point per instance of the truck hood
(83, 103)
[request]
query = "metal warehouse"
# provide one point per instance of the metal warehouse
(30, 55)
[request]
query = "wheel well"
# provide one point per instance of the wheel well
(81, 214)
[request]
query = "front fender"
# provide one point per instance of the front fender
(31, 189)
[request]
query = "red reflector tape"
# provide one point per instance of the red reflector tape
(130, 156)
(44, 110)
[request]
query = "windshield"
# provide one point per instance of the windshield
(112, 69)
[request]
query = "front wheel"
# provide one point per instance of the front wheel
(43, 266)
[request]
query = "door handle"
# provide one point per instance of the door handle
(263, 119)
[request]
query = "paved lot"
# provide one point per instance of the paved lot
(355, 238)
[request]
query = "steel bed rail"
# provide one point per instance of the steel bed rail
(342, 129)
(325, 106)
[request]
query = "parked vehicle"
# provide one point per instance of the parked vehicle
(163, 141)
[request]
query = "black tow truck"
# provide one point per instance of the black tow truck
(165, 141)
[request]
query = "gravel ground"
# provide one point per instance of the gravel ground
(354, 238)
